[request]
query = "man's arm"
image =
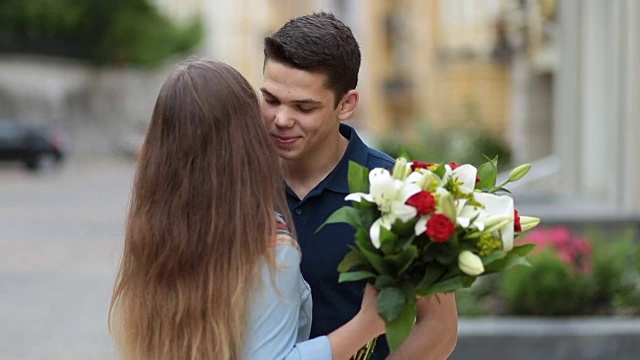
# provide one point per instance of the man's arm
(435, 333)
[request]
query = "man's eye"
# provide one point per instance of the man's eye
(271, 101)
(305, 110)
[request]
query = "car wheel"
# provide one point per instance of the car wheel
(42, 162)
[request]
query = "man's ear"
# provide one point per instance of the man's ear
(348, 104)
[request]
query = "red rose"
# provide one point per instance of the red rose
(440, 228)
(516, 221)
(420, 165)
(423, 201)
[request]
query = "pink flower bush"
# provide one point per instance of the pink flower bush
(570, 248)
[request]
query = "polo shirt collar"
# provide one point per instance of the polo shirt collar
(356, 151)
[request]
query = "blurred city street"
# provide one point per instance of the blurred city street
(554, 84)
(61, 234)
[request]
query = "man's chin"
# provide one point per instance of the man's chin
(287, 154)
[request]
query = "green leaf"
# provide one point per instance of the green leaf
(376, 261)
(487, 172)
(403, 153)
(445, 253)
(405, 229)
(390, 302)
(505, 263)
(440, 170)
(358, 176)
(368, 214)
(399, 329)
(363, 241)
(522, 250)
(431, 275)
(353, 258)
(449, 285)
(468, 280)
(400, 262)
(355, 276)
(453, 241)
(346, 214)
(387, 240)
(496, 255)
(384, 281)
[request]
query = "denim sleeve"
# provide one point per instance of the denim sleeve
(275, 315)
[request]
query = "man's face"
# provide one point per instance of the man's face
(299, 111)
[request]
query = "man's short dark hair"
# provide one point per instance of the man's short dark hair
(318, 43)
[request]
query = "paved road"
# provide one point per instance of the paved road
(60, 239)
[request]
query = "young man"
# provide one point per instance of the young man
(309, 88)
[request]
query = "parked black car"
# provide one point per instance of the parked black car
(33, 145)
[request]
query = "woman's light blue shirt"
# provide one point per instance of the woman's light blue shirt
(280, 319)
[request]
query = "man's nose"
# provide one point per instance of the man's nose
(283, 118)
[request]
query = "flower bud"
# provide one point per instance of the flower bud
(401, 169)
(447, 206)
(428, 181)
(528, 222)
(470, 263)
(499, 223)
(519, 172)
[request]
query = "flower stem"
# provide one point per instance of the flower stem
(366, 351)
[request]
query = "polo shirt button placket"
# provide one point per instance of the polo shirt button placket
(298, 211)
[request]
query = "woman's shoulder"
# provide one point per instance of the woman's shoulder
(283, 232)
(281, 225)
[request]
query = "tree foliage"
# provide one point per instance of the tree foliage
(99, 31)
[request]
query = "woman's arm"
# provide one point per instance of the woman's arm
(275, 314)
(367, 324)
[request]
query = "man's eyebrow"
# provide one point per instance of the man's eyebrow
(298, 101)
(307, 101)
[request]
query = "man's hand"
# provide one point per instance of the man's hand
(435, 333)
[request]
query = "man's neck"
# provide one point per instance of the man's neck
(302, 175)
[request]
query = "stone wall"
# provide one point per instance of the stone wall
(595, 338)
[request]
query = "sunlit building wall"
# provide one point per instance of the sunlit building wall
(180, 10)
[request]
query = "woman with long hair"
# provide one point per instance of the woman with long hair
(210, 269)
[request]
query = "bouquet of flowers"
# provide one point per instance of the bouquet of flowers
(428, 228)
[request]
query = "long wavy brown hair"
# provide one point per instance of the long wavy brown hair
(200, 220)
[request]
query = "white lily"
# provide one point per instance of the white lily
(498, 209)
(466, 213)
(466, 174)
(390, 195)
(424, 178)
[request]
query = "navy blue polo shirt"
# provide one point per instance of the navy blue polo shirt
(333, 304)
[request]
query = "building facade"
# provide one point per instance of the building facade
(557, 80)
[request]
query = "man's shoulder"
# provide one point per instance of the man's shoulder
(362, 152)
(376, 158)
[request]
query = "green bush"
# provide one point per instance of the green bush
(469, 144)
(102, 32)
(567, 277)
(616, 272)
(549, 287)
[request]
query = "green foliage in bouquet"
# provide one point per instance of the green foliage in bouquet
(425, 229)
